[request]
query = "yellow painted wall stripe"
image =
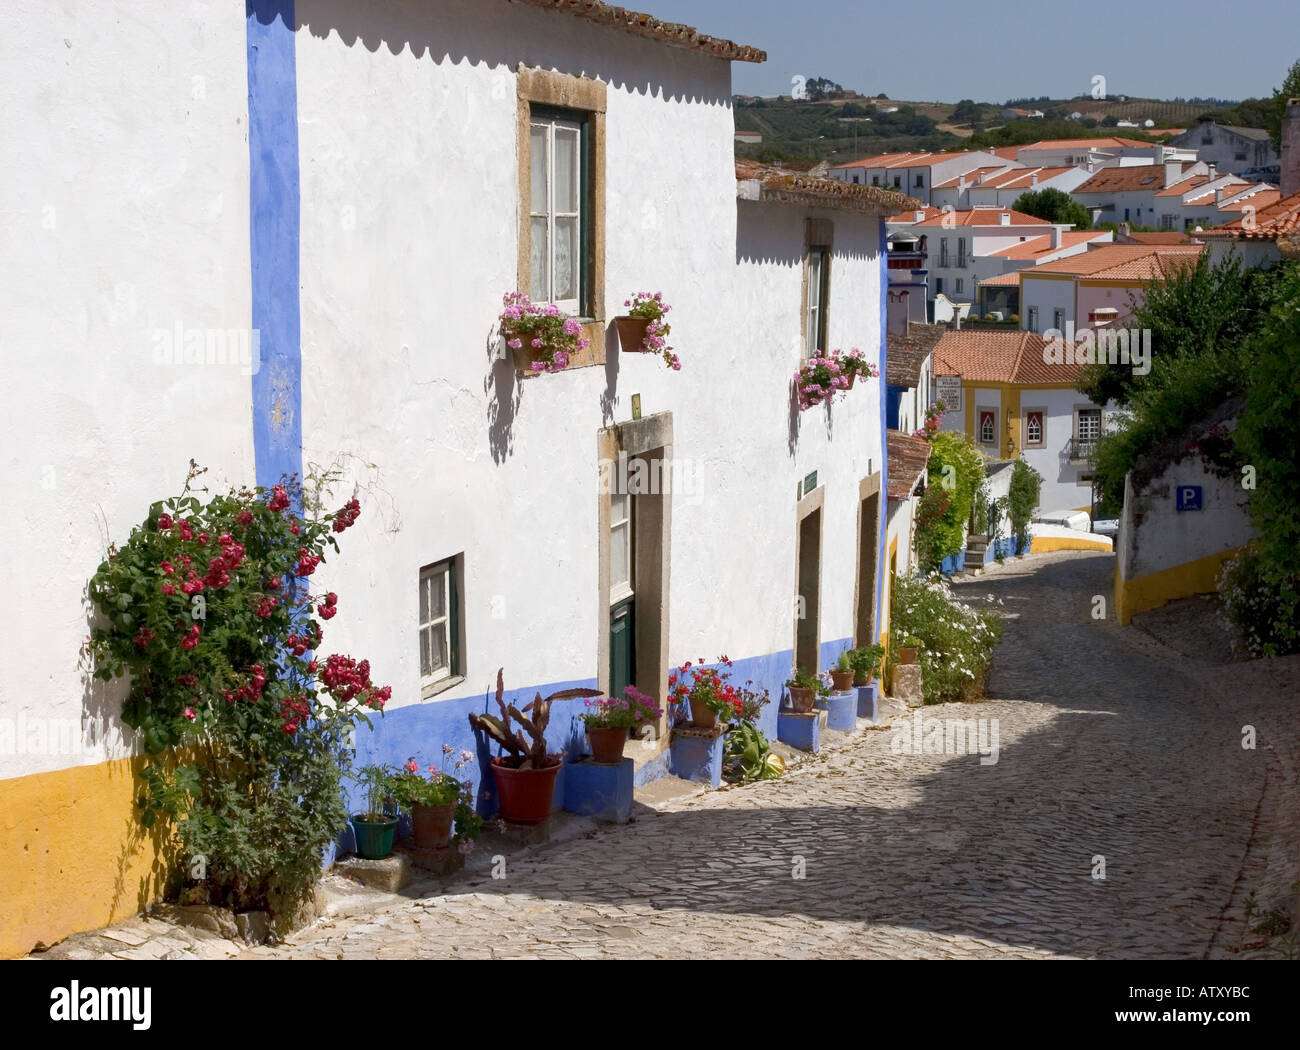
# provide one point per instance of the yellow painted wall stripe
(1155, 589)
(73, 855)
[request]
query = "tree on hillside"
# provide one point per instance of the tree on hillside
(1054, 206)
(966, 111)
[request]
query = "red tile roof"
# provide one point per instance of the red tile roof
(983, 217)
(904, 160)
(970, 176)
(791, 187)
(1125, 180)
(1282, 218)
(1121, 261)
(1162, 237)
(1002, 280)
(1037, 247)
(999, 357)
(1021, 178)
(907, 456)
(906, 354)
(1259, 200)
(927, 211)
(674, 34)
(1100, 143)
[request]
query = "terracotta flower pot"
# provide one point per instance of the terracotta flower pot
(801, 698)
(852, 379)
(865, 681)
(631, 333)
(703, 717)
(907, 654)
(524, 795)
(842, 681)
(607, 744)
(432, 825)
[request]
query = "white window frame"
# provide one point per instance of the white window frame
(549, 125)
(992, 441)
(1030, 441)
(619, 590)
(1090, 411)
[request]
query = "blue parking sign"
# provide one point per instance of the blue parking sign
(1189, 497)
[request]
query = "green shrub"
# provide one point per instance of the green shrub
(1262, 602)
(956, 641)
(1022, 499)
(956, 470)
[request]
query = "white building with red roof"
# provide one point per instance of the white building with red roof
(916, 173)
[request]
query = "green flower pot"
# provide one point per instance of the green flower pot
(374, 837)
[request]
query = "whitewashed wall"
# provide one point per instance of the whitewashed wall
(413, 128)
(124, 203)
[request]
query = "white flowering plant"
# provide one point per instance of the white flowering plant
(955, 640)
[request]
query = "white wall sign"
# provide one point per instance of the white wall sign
(948, 389)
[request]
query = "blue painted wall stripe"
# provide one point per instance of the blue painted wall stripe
(882, 570)
(275, 201)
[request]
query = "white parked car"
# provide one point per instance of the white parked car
(1070, 519)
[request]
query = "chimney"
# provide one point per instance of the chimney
(1213, 172)
(920, 215)
(1033, 179)
(896, 313)
(961, 181)
(1004, 219)
(1123, 231)
(1056, 237)
(1291, 148)
(1218, 197)
(1173, 169)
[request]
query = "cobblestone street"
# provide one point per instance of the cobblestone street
(1114, 744)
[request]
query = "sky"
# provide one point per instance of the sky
(994, 50)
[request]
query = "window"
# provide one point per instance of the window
(1239, 156)
(960, 286)
(938, 286)
(439, 628)
(620, 545)
(855, 180)
(1058, 320)
(987, 433)
(898, 182)
(1087, 424)
(1031, 316)
(557, 188)
(961, 253)
(875, 180)
(817, 284)
(560, 145)
(1034, 429)
(1207, 139)
(920, 180)
(943, 251)
(1166, 222)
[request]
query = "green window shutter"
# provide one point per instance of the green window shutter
(453, 622)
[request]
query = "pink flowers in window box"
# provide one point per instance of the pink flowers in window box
(541, 337)
(643, 328)
(820, 378)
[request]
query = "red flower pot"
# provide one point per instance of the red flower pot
(801, 698)
(852, 378)
(842, 681)
(607, 744)
(703, 717)
(631, 333)
(432, 825)
(866, 681)
(906, 654)
(524, 795)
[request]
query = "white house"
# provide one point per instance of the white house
(1238, 150)
(993, 188)
(343, 199)
(917, 173)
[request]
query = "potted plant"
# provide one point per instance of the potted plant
(438, 801)
(856, 364)
(609, 719)
(526, 775)
(908, 647)
(706, 691)
(804, 688)
(541, 338)
(865, 660)
(819, 379)
(842, 673)
(374, 826)
(643, 330)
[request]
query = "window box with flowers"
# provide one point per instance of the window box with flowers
(643, 330)
(819, 379)
(541, 337)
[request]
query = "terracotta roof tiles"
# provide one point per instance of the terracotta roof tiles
(765, 183)
(1279, 219)
(907, 456)
(999, 357)
(674, 34)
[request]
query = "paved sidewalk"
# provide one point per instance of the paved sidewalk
(1113, 745)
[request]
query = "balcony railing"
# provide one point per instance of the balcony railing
(1078, 450)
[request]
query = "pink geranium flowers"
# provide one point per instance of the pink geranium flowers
(551, 337)
(651, 305)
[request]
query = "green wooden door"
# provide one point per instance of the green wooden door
(622, 654)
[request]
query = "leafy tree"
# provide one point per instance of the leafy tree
(956, 468)
(1290, 89)
(1022, 497)
(965, 111)
(1054, 206)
